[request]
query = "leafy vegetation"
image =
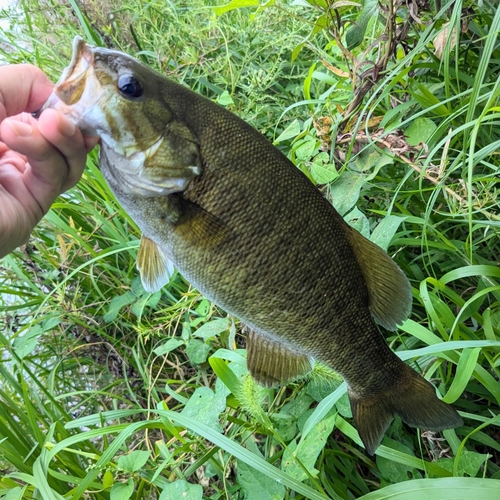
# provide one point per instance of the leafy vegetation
(108, 392)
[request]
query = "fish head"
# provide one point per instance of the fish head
(114, 96)
(108, 93)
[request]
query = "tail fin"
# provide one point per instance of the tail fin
(415, 401)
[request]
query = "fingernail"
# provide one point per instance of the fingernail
(20, 129)
(66, 127)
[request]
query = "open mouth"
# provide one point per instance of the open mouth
(81, 60)
(70, 86)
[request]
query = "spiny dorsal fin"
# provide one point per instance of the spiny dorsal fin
(154, 266)
(272, 364)
(388, 287)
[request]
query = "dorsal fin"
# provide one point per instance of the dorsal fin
(272, 364)
(155, 267)
(388, 287)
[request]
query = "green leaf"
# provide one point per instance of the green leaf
(108, 479)
(235, 4)
(383, 234)
(225, 99)
(182, 490)
(197, 351)
(356, 32)
(153, 300)
(122, 491)
(305, 149)
(342, 3)
(168, 346)
(449, 488)
(345, 191)
(420, 131)
(307, 450)
(293, 130)
(258, 485)
(224, 372)
(27, 342)
(427, 99)
(322, 409)
(203, 308)
(464, 372)
(144, 301)
(467, 271)
(358, 220)
(285, 422)
(117, 304)
(370, 160)
(16, 493)
(134, 460)
(322, 170)
(392, 471)
(51, 323)
(469, 463)
(205, 406)
(212, 328)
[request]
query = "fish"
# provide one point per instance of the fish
(217, 201)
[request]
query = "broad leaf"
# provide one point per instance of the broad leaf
(383, 234)
(257, 485)
(345, 191)
(182, 490)
(206, 406)
(420, 131)
(122, 491)
(307, 450)
(134, 460)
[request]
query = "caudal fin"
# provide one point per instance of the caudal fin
(415, 401)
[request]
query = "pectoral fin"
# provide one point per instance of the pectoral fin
(195, 224)
(388, 287)
(155, 267)
(272, 364)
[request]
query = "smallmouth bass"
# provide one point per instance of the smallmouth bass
(213, 197)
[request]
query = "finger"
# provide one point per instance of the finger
(12, 158)
(90, 142)
(68, 139)
(47, 169)
(9, 157)
(23, 87)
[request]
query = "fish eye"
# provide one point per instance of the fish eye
(130, 87)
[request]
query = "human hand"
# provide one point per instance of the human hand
(38, 159)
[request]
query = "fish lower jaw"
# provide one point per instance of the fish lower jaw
(148, 189)
(141, 186)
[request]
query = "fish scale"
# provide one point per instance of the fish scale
(214, 198)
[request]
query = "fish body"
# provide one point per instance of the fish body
(214, 198)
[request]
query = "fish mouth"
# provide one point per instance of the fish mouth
(71, 85)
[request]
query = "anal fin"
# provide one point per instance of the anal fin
(272, 364)
(155, 267)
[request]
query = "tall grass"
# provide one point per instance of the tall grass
(109, 392)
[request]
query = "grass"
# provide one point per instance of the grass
(109, 392)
